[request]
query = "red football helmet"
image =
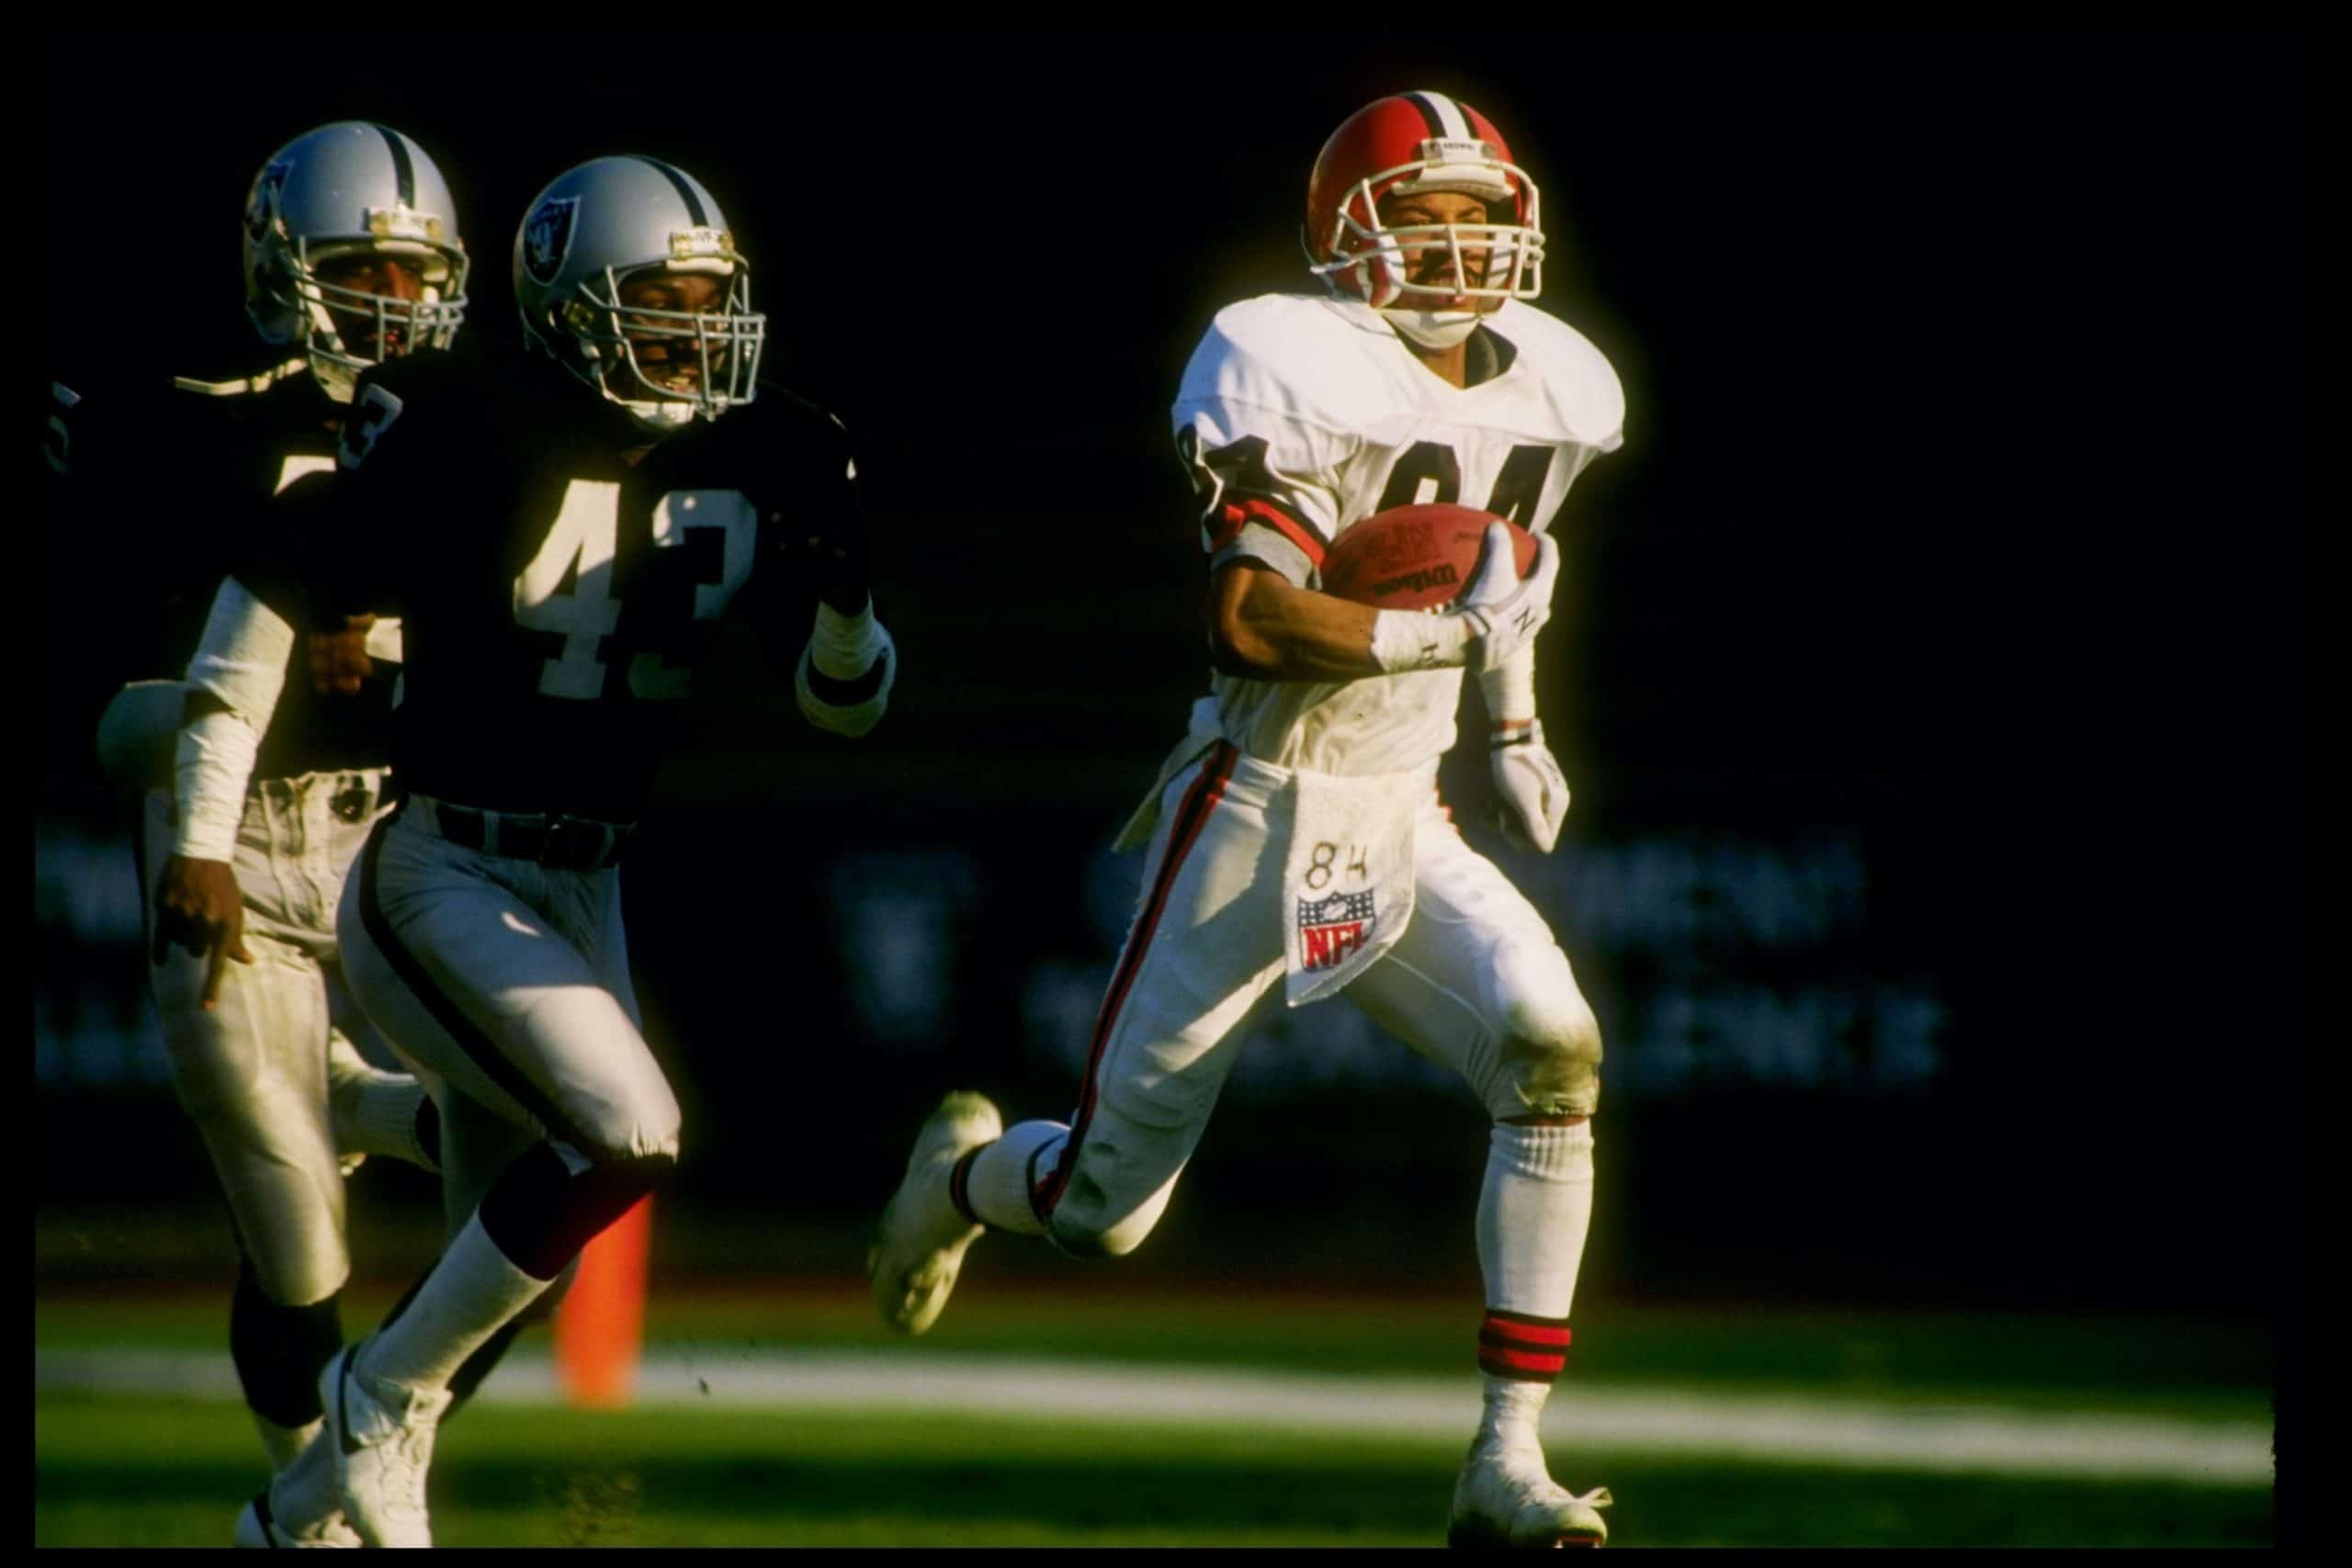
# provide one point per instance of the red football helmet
(1404, 144)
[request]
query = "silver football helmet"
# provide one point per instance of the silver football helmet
(351, 188)
(613, 221)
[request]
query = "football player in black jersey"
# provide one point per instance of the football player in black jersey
(255, 807)
(571, 531)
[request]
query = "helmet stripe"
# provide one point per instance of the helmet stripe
(403, 171)
(685, 190)
(1445, 116)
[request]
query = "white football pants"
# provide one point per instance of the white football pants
(1476, 982)
(252, 1072)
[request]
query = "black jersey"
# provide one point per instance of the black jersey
(175, 477)
(555, 596)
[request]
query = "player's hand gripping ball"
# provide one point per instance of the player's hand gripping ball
(1416, 557)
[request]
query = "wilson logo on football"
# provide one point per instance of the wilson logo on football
(1415, 582)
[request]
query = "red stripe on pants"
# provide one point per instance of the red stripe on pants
(1191, 816)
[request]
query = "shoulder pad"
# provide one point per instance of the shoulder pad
(785, 414)
(461, 394)
(1580, 381)
(1311, 356)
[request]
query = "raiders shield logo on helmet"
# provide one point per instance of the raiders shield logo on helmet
(262, 210)
(547, 237)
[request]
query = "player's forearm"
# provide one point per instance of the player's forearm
(209, 771)
(236, 675)
(1266, 629)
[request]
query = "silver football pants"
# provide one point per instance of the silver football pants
(507, 981)
(252, 1072)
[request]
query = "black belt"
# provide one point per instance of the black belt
(566, 843)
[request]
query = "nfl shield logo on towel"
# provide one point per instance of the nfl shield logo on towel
(1329, 929)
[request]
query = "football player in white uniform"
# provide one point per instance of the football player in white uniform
(1302, 805)
(352, 255)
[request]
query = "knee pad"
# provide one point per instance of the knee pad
(635, 1134)
(288, 1221)
(1547, 1057)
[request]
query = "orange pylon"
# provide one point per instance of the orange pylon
(600, 1324)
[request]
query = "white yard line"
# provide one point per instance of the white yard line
(1617, 1419)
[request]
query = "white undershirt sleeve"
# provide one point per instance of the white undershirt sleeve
(241, 659)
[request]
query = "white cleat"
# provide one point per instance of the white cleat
(1505, 1498)
(919, 1246)
(382, 1433)
(256, 1527)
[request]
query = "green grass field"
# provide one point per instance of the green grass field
(142, 1469)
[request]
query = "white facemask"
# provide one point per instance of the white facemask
(1434, 328)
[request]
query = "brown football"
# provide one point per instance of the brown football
(1414, 558)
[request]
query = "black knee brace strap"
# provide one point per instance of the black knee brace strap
(280, 1351)
(541, 1214)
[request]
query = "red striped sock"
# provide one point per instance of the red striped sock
(1519, 1344)
(959, 1180)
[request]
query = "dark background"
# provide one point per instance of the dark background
(1961, 522)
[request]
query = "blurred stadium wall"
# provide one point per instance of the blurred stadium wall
(1929, 665)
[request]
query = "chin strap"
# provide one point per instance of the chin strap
(1434, 328)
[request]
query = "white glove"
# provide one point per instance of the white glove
(1511, 608)
(1530, 793)
(1497, 615)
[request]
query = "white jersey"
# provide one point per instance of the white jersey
(1301, 416)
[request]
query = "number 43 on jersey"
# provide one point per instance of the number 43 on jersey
(579, 548)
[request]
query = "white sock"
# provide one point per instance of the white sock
(471, 1295)
(996, 1185)
(374, 1113)
(283, 1443)
(1513, 1410)
(1533, 1212)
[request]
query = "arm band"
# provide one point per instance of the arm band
(842, 681)
(843, 646)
